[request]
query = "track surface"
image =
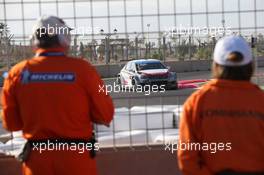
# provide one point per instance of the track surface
(169, 97)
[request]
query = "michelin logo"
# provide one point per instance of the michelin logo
(29, 77)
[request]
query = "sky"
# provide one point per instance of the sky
(32, 10)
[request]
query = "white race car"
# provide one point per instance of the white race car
(147, 72)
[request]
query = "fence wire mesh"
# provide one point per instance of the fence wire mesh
(169, 30)
(110, 31)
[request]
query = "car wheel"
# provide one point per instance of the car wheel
(134, 83)
(118, 80)
(175, 87)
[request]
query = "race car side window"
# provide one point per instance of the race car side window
(129, 66)
(133, 67)
(125, 67)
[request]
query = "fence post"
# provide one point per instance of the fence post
(174, 121)
(136, 45)
(164, 48)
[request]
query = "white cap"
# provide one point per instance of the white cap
(53, 26)
(230, 44)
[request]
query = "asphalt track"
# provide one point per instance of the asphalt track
(169, 97)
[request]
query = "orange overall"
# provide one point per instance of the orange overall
(53, 97)
(223, 112)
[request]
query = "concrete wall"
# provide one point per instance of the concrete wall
(9, 166)
(107, 71)
(141, 161)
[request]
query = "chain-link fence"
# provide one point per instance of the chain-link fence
(142, 121)
(112, 31)
(139, 121)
